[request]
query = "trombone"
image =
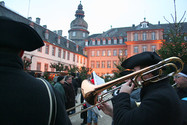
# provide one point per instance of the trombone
(91, 92)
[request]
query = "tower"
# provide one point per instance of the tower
(78, 27)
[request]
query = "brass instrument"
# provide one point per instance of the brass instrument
(91, 92)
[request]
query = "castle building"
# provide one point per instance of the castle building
(79, 26)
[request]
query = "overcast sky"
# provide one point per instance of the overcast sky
(99, 14)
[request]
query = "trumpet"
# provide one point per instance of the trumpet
(91, 92)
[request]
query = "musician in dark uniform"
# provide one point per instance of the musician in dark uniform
(181, 81)
(160, 104)
(24, 99)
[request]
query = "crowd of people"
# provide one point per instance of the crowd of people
(34, 101)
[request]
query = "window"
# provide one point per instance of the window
(153, 48)
(104, 42)
(73, 57)
(115, 41)
(38, 66)
(120, 52)
(108, 64)
(93, 42)
(58, 40)
(93, 53)
(77, 59)
(64, 54)
(74, 34)
(144, 36)
(103, 64)
(53, 51)
(97, 64)
(114, 62)
(46, 67)
(135, 37)
(40, 49)
(59, 52)
(103, 53)
(77, 48)
(81, 60)
(67, 44)
(153, 35)
(144, 48)
(109, 41)
(126, 52)
(109, 53)
(47, 49)
(86, 43)
(98, 53)
(115, 52)
(121, 41)
(68, 55)
(83, 34)
(185, 38)
(98, 42)
(92, 64)
(136, 49)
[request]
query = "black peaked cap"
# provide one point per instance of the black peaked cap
(184, 69)
(141, 59)
(126, 72)
(18, 35)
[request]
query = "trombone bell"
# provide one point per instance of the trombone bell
(88, 92)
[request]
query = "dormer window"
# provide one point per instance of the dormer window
(58, 40)
(67, 44)
(93, 42)
(86, 43)
(115, 41)
(47, 34)
(109, 41)
(104, 42)
(77, 48)
(121, 41)
(98, 42)
(74, 34)
(84, 35)
(144, 25)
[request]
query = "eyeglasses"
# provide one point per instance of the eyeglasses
(177, 76)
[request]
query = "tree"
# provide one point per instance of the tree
(174, 43)
(84, 72)
(119, 67)
(58, 67)
(27, 62)
(72, 69)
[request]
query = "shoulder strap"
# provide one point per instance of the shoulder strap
(53, 103)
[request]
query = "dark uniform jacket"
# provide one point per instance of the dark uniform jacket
(24, 99)
(160, 105)
(182, 93)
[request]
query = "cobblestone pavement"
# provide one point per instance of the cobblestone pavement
(103, 120)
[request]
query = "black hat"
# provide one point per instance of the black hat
(141, 59)
(184, 71)
(60, 78)
(126, 72)
(18, 35)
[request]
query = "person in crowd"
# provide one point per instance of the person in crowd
(74, 82)
(60, 88)
(24, 99)
(92, 113)
(181, 81)
(70, 94)
(160, 104)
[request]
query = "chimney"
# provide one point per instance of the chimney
(60, 32)
(30, 18)
(158, 22)
(38, 20)
(45, 26)
(133, 25)
(55, 31)
(2, 3)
